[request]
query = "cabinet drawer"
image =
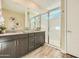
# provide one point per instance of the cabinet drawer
(31, 38)
(31, 34)
(31, 41)
(31, 45)
(19, 36)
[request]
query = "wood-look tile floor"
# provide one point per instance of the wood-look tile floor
(46, 52)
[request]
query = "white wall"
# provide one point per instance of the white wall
(0, 4)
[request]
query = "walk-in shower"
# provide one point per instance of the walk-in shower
(51, 23)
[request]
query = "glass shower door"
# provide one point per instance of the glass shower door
(55, 27)
(44, 25)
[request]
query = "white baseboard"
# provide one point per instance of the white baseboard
(63, 51)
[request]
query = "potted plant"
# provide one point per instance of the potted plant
(2, 28)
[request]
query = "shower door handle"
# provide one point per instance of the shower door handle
(69, 31)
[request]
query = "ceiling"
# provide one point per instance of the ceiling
(35, 6)
(48, 4)
(9, 4)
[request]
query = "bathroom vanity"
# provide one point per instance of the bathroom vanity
(14, 45)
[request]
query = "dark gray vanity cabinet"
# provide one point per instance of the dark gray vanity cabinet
(39, 39)
(14, 46)
(31, 41)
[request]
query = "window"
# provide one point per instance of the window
(1, 19)
(55, 13)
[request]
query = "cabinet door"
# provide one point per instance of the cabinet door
(42, 37)
(39, 39)
(7, 49)
(31, 41)
(22, 46)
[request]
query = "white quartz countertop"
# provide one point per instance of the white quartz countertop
(16, 33)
